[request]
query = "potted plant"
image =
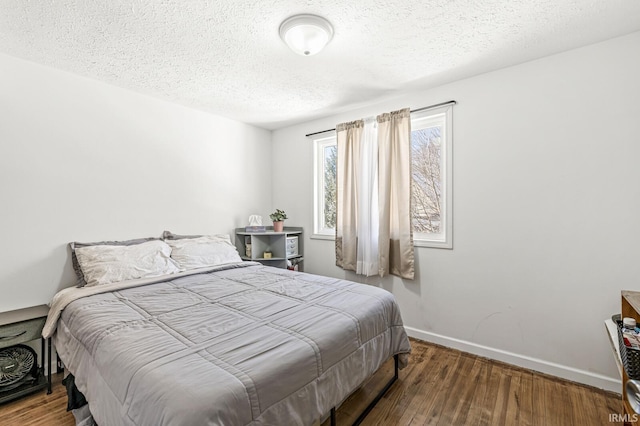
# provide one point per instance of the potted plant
(278, 218)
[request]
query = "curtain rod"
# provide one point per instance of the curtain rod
(413, 110)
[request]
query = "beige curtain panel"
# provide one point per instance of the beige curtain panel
(395, 239)
(394, 196)
(348, 137)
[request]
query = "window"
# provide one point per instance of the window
(325, 187)
(431, 169)
(431, 177)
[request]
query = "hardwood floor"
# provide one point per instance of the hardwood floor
(440, 386)
(39, 408)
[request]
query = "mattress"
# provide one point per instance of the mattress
(243, 344)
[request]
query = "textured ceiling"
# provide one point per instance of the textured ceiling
(226, 57)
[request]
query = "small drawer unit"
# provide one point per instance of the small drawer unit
(292, 246)
(20, 371)
(12, 334)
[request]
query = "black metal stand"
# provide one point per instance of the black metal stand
(48, 365)
(42, 353)
(373, 403)
(37, 381)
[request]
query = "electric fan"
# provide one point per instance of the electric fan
(16, 364)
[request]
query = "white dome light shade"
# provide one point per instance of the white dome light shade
(306, 34)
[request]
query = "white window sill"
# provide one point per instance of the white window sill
(416, 243)
(433, 244)
(331, 237)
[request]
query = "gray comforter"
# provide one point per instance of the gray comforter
(244, 345)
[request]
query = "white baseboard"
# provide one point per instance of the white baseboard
(562, 371)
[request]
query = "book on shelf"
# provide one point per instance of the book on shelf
(255, 228)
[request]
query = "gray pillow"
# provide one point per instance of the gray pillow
(76, 245)
(167, 235)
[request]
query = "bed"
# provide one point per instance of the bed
(236, 343)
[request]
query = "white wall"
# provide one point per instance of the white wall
(546, 211)
(81, 160)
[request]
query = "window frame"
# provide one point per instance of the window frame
(441, 240)
(445, 238)
(320, 143)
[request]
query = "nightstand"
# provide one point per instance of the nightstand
(285, 248)
(19, 327)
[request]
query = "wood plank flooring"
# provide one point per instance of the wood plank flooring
(440, 386)
(443, 386)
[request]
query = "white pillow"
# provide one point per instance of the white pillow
(212, 250)
(110, 264)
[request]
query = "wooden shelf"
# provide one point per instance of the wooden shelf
(630, 307)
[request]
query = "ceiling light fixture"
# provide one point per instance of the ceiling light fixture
(306, 34)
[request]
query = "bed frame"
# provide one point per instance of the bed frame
(373, 403)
